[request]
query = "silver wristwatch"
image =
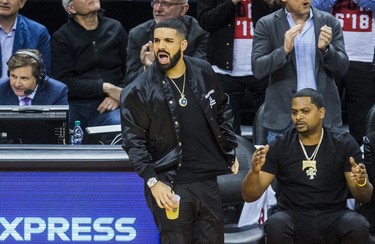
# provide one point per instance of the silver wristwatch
(151, 182)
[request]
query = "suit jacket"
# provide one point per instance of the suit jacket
(269, 60)
(30, 34)
(143, 33)
(51, 92)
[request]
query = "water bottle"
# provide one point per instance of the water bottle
(77, 133)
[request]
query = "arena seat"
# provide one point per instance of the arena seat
(230, 187)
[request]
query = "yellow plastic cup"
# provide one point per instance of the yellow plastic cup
(174, 214)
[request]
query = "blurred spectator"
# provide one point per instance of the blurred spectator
(89, 56)
(140, 54)
(260, 8)
(28, 83)
(229, 23)
(357, 19)
(17, 31)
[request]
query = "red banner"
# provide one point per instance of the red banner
(352, 17)
(244, 28)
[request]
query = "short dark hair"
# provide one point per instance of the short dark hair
(173, 23)
(316, 98)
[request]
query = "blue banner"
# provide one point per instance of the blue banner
(84, 207)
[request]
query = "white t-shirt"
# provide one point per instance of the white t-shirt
(358, 25)
(243, 42)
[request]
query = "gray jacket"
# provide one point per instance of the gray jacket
(269, 60)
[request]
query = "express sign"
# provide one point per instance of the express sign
(84, 207)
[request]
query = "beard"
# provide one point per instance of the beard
(174, 60)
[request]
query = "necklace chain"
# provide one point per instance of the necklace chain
(182, 101)
(313, 155)
(182, 93)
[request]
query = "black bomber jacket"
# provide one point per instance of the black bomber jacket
(150, 122)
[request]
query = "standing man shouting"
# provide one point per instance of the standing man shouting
(177, 131)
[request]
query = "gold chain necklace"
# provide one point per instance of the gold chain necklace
(182, 101)
(310, 164)
(313, 155)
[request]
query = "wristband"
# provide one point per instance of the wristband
(361, 185)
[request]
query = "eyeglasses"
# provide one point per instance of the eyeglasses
(164, 4)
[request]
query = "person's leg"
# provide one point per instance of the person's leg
(200, 217)
(209, 223)
(78, 111)
(345, 227)
(174, 231)
(280, 228)
(107, 118)
(359, 84)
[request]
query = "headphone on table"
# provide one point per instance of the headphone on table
(41, 77)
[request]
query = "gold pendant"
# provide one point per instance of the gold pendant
(182, 101)
(311, 168)
(308, 164)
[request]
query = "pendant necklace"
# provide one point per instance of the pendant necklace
(310, 161)
(182, 101)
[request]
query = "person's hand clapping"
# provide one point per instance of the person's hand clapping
(325, 38)
(290, 36)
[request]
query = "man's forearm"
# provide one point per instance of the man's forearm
(112, 91)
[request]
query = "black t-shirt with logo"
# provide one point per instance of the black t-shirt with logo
(303, 186)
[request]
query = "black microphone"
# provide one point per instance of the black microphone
(28, 92)
(37, 88)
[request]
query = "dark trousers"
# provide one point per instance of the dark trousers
(315, 227)
(236, 88)
(359, 85)
(200, 219)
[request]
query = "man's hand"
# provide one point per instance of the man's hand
(147, 55)
(359, 173)
(290, 36)
(259, 158)
(325, 38)
(163, 195)
(235, 166)
(112, 90)
(108, 104)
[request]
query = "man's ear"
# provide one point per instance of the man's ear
(185, 8)
(322, 112)
(70, 9)
(184, 44)
(22, 3)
